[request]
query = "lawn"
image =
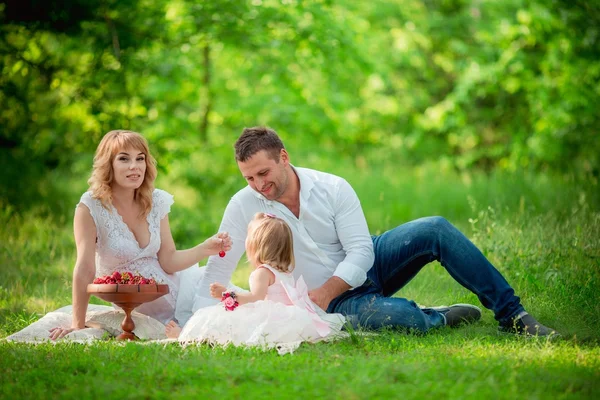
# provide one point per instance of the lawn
(541, 231)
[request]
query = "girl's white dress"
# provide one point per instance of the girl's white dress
(286, 318)
(118, 250)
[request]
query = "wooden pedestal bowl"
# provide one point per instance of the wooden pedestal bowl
(128, 297)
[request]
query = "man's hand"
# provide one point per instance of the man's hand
(216, 290)
(320, 297)
(331, 289)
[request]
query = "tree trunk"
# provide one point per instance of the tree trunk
(206, 95)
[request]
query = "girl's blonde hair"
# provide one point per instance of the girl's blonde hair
(270, 242)
(102, 173)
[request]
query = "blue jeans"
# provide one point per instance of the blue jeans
(399, 255)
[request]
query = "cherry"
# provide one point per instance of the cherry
(221, 254)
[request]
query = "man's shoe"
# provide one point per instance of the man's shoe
(526, 325)
(458, 314)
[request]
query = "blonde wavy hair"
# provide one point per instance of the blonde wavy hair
(102, 173)
(270, 242)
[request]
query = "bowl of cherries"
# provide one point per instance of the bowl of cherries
(127, 291)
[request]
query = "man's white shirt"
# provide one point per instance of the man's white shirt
(331, 236)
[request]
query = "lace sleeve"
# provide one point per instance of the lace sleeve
(162, 202)
(91, 204)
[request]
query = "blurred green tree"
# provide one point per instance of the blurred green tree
(477, 83)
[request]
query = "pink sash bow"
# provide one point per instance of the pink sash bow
(299, 297)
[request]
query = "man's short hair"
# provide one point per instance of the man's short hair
(256, 139)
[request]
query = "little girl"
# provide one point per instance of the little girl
(277, 312)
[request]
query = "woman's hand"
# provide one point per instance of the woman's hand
(220, 242)
(216, 290)
(57, 333)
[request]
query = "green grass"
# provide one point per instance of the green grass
(542, 232)
(469, 363)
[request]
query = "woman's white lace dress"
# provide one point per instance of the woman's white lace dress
(118, 250)
(285, 319)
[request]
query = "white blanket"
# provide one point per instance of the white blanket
(101, 322)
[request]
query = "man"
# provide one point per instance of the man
(348, 271)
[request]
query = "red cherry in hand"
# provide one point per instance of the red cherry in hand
(221, 254)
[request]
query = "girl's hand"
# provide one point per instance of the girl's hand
(220, 242)
(216, 290)
(57, 333)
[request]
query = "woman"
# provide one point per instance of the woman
(122, 224)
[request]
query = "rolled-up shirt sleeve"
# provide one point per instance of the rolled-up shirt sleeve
(353, 233)
(220, 269)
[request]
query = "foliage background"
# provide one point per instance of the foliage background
(480, 84)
